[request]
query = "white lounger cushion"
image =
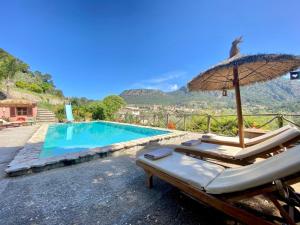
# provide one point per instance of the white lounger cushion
(268, 144)
(218, 149)
(242, 153)
(266, 136)
(219, 138)
(263, 172)
(248, 141)
(193, 171)
(216, 179)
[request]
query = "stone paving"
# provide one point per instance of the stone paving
(12, 140)
(104, 191)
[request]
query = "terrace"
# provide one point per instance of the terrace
(108, 190)
(201, 159)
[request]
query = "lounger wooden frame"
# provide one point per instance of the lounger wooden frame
(229, 159)
(228, 143)
(226, 202)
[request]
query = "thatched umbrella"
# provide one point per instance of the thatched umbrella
(240, 70)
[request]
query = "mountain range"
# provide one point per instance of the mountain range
(280, 94)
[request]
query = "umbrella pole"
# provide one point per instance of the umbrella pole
(236, 84)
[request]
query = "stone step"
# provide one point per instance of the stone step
(54, 120)
(50, 115)
(44, 110)
(45, 113)
(46, 121)
(45, 116)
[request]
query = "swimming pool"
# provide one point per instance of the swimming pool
(76, 137)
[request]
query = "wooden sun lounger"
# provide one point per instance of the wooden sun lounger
(221, 188)
(234, 141)
(240, 156)
(10, 124)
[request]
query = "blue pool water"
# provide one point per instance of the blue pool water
(76, 137)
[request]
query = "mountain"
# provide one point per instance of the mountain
(273, 95)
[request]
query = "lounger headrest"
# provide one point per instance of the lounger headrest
(273, 142)
(258, 139)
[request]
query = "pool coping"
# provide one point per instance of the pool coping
(27, 159)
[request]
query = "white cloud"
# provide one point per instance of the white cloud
(166, 82)
(173, 87)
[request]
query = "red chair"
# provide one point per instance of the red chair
(21, 119)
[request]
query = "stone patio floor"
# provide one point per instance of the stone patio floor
(104, 191)
(12, 140)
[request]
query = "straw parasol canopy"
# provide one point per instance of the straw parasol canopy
(241, 70)
(17, 103)
(251, 69)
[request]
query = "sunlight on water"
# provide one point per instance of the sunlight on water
(76, 137)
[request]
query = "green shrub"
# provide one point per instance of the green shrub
(97, 109)
(112, 104)
(35, 88)
(60, 113)
(219, 125)
(29, 86)
(197, 124)
(46, 87)
(21, 84)
(225, 126)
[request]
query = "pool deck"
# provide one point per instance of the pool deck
(104, 191)
(12, 140)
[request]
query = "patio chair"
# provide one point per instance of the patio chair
(222, 188)
(242, 156)
(234, 141)
(10, 124)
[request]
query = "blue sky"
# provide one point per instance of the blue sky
(97, 48)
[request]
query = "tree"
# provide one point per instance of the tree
(9, 65)
(97, 109)
(8, 68)
(46, 87)
(113, 104)
(58, 93)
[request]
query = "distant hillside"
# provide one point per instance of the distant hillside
(277, 95)
(24, 83)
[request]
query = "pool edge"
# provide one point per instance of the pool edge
(27, 160)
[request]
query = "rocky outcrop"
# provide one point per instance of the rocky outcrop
(2, 95)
